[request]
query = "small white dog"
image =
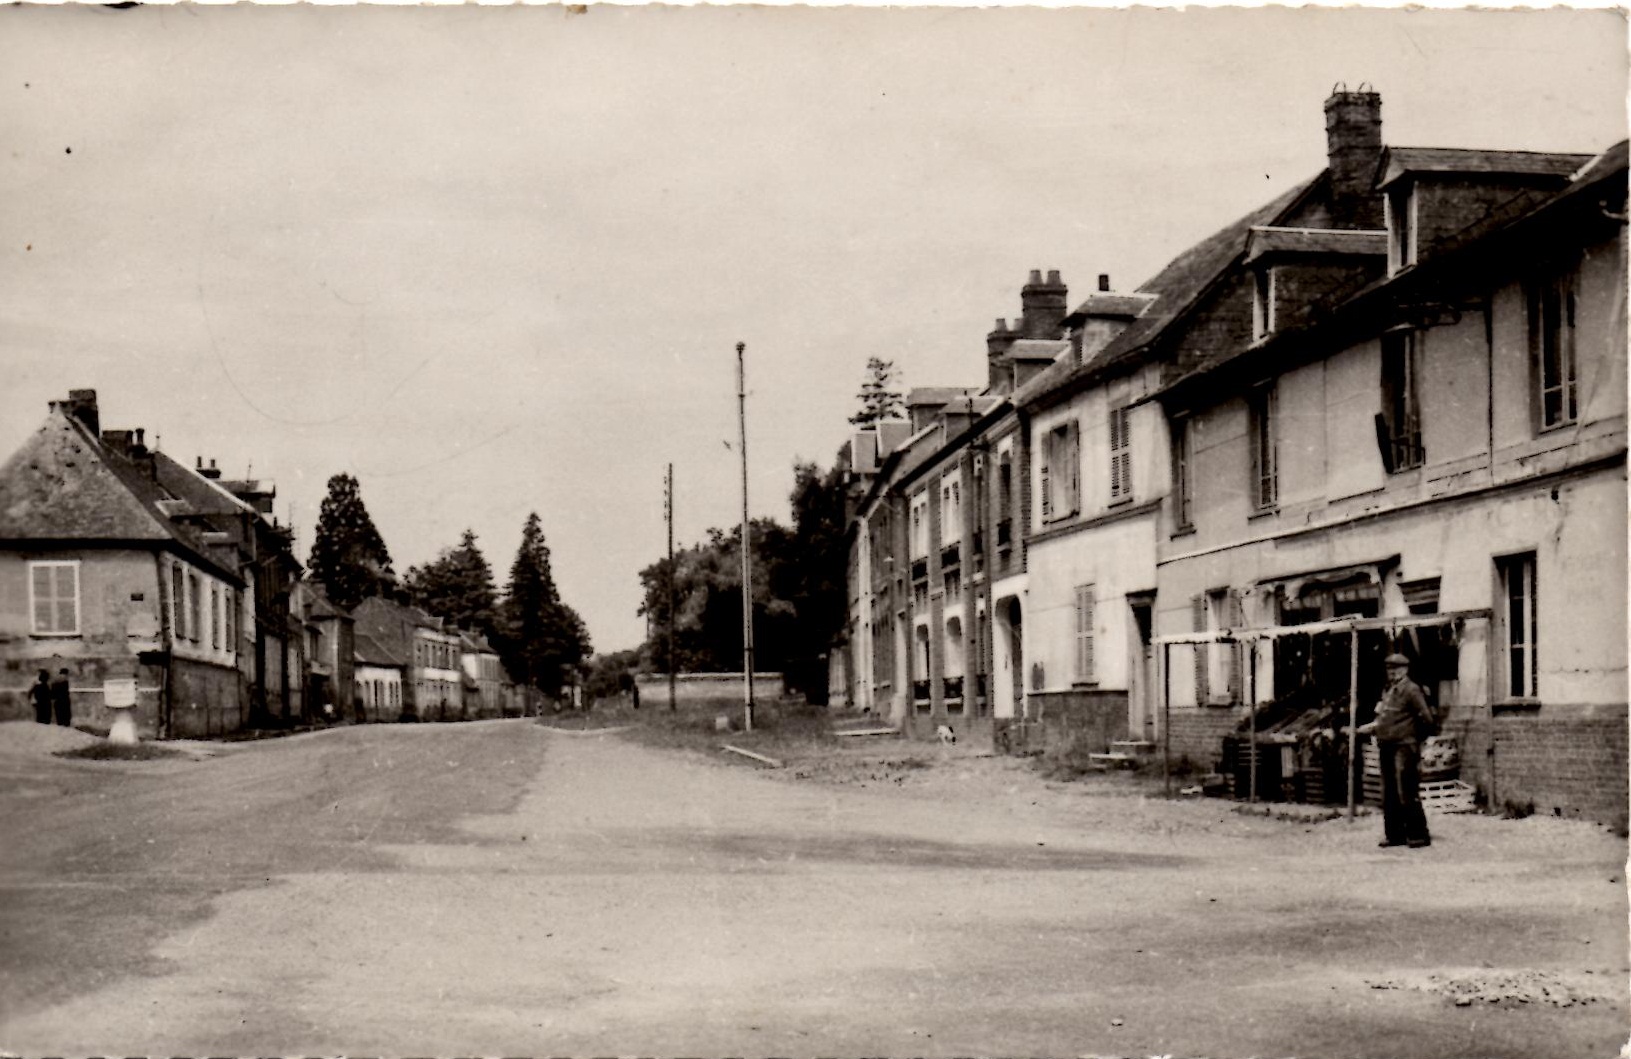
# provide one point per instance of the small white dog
(947, 736)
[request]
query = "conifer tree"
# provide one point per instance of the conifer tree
(457, 585)
(878, 401)
(540, 634)
(347, 553)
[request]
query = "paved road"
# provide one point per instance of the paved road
(496, 888)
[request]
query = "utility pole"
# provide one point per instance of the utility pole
(668, 510)
(747, 542)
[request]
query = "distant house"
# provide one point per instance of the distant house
(378, 680)
(105, 572)
(432, 686)
(481, 676)
(330, 651)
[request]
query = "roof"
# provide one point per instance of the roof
(1047, 349)
(1266, 239)
(937, 395)
(63, 485)
(1174, 291)
(370, 651)
(1398, 162)
(1118, 306)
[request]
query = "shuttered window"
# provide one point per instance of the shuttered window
(1121, 453)
(54, 597)
(1085, 666)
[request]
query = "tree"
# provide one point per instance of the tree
(878, 401)
(347, 553)
(457, 585)
(814, 578)
(539, 635)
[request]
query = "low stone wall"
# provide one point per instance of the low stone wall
(1077, 721)
(705, 690)
(1197, 733)
(1563, 762)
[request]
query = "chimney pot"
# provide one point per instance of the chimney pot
(1053, 277)
(1104, 281)
(200, 465)
(1036, 278)
(141, 436)
(1044, 306)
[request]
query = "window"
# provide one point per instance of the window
(1551, 344)
(178, 602)
(1517, 615)
(1085, 669)
(1005, 501)
(215, 617)
(53, 590)
(1182, 489)
(1223, 613)
(1400, 428)
(920, 525)
(1265, 458)
(951, 510)
(195, 609)
(1263, 303)
(1060, 473)
(1121, 453)
(231, 619)
(1401, 224)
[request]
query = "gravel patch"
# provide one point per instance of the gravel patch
(1509, 987)
(34, 740)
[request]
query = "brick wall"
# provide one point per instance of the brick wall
(1078, 721)
(205, 700)
(1198, 733)
(1571, 766)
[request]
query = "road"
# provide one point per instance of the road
(497, 888)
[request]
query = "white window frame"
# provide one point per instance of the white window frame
(56, 600)
(1262, 303)
(1525, 636)
(1060, 472)
(1183, 476)
(1403, 231)
(1262, 423)
(1560, 284)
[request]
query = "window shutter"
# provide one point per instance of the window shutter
(1043, 476)
(1086, 670)
(1236, 618)
(1073, 449)
(1197, 605)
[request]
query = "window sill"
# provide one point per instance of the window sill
(55, 635)
(1120, 501)
(1263, 513)
(1516, 706)
(1182, 531)
(1541, 430)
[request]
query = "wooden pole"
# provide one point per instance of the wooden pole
(1353, 718)
(1251, 720)
(1166, 718)
(668, 510)
(747, 543)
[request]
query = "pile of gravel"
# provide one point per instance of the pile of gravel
(1506, 987)
(33, 739)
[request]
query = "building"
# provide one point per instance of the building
(110, 569)
(330, 652)
(431, 685)
(481, 676)
(1421, 433)
(378, 680)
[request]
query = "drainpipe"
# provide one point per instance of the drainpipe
(1489, 635)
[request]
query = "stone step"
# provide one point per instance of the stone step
(1140, 747)
(1113, 759)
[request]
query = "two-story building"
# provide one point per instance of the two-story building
(1422, 434)
(104, 573)
(481, 676)
(431, 684)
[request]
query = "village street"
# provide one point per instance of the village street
(500, 888)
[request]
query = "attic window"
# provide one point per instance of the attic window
(1401, 226)
(1263, 304)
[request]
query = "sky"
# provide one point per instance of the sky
(497, 260)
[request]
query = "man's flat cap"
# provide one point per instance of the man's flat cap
(1396, 660)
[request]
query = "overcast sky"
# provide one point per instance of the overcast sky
(497, 260)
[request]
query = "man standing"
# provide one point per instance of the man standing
(40, 693)
(1403, 720)
(62, 699)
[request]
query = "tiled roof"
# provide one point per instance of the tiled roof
(1399, 161)
(1180, 285)
(1106, 304)
(63, 485)
(1265, 239)
(58, 486)
(370, 651)
(1047, 349)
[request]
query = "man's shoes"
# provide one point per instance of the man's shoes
(1384, 844)
(1418, 843)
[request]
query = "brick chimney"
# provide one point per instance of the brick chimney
(1353, 139)
(1045, 308)
(999, 369)
(81, 405)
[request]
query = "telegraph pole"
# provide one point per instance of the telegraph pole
(668, 510)
(747, 542)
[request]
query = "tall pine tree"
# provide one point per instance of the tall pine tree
(347, 553)
(457, 585)
(878, 400)
(540, 633)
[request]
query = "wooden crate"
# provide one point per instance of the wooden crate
(1448, 796)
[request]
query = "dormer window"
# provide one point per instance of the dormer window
(1401, 226)
(1263, 304)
